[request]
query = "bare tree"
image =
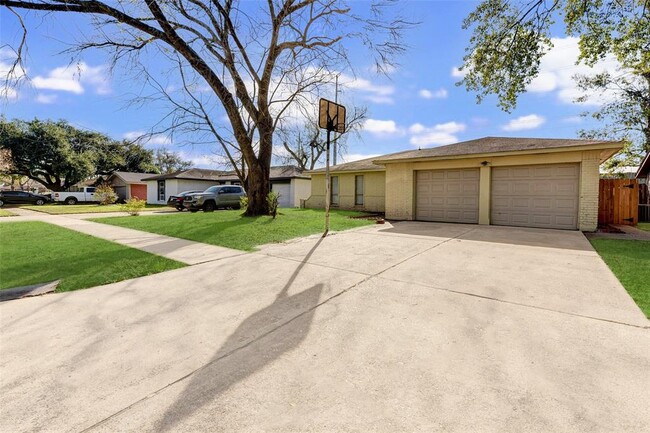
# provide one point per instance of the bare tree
(255, 60)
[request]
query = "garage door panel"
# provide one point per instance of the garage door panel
(536, 196)
(447, 195)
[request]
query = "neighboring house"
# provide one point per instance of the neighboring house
(527, 182)
(643, 172)
(289, 181)
(127, 185)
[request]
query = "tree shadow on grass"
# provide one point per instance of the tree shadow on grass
(258, 341)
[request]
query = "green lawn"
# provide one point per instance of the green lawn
(230, 229)
(644, 226)
(37, 252)
(6, 213)
(630, 262)
(64, 209)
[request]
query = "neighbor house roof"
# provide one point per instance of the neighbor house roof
(495, 145)
(277, 173)
(129, 177)
(190, 174)
(644, 167)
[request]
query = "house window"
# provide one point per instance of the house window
(358, 190)
(161, 190)
(334, 191)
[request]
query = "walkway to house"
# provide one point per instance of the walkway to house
(182, 250)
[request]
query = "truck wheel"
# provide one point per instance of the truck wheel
(209, 206)
(70, 200)
(40, 202)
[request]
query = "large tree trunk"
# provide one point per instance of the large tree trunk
(257, 189)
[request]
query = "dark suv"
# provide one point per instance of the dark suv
(176, 201)
(218, 196)
(22, 197)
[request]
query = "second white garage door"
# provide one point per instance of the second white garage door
(543, 196)
(447, 195)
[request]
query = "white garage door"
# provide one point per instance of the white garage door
(543, 196)
(447, 195)
(284, 189)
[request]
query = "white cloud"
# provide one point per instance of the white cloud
(457, 73)
(440, 134)
(558, 67)
(145, 138)
(531, 121)
(8, 93)
(437, 94)
(350, 157)
(43, 98)
(75, 79)
(379, 94)
(380, 126)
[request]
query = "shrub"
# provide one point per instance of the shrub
(105, 195)
(243, 202)
(272, 200)
(133, 206)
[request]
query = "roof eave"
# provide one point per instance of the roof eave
(613, 146)
(644, 167)
(364, 170)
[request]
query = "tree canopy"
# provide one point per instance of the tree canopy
(59, 155)
(509, 39)
(249, 63)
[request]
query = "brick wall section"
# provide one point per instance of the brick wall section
(399, 191)
(589, 178)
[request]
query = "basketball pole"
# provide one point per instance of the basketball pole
(327, 178)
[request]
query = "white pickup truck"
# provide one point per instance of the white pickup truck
(75, 195)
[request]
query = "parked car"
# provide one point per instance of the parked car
(176, 201)
(215, 197)
(22, 197)
(75, 195)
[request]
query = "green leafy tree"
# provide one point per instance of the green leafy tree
(166, 161)
(509, 39)
(58, 155)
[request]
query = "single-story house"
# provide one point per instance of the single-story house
(127, 185)
(289, 181)
(527, 182)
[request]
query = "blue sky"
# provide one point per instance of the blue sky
(417, 105)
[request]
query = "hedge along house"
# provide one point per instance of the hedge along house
(290, 182)
(527, 182)
(127, 185)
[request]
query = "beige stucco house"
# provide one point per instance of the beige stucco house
(527, 182)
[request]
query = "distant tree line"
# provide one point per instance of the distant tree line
(58, 155)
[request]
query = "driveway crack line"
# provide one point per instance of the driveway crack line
(489, 298)
(225, 355)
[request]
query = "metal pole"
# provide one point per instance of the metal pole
(327, 183)
(336, 100)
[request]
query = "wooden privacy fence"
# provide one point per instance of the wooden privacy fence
(618, 201)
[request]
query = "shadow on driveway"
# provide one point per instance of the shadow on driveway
(533, 237)
(242, 350)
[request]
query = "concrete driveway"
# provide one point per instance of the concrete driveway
(404, 327)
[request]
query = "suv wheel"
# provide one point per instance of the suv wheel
(2, 202)
(40, 202)
(209, 206)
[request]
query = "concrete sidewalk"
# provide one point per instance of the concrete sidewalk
(182, 250)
